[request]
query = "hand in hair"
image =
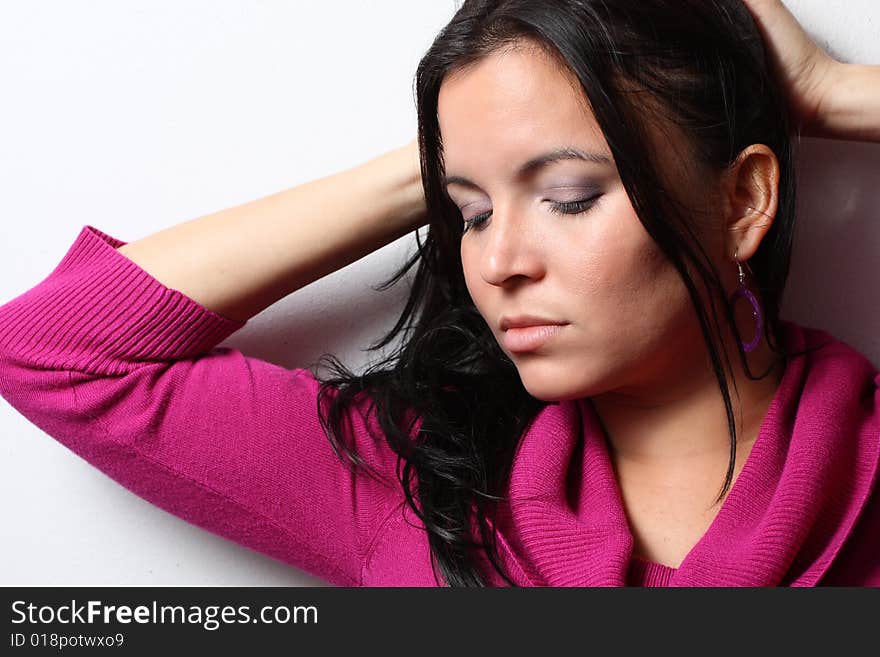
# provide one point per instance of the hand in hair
(806, 70)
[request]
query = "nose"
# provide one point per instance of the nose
(509, 249)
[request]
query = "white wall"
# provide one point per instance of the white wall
(134, 116)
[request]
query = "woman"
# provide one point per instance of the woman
(618, 176)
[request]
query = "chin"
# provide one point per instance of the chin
(559, 377)
(557, 391)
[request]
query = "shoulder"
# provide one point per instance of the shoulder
(831, 361)
(858, 562)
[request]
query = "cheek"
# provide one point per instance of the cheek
(467, 267)
(629, 285)
(471, 275)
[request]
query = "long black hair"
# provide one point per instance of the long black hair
(699, 65)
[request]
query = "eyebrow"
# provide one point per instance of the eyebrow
(556, 155)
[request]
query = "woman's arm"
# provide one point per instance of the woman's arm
(240, 260)
(851, 108)
(126, 373)
(827, 98)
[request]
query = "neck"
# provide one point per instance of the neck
(682, 419)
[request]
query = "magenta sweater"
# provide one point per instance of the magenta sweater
(126, 373)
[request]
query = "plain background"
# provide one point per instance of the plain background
(134, 116)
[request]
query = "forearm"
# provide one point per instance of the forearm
(240, 260)
(851, 109)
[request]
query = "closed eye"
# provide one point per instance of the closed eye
(571, 207)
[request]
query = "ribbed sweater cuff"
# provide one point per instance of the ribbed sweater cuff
(99, 312)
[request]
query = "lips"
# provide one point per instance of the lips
(524, 333)
(530, 338)
(524, 321)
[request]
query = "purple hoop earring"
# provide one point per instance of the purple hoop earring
(744, 291)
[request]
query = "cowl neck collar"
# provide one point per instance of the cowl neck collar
(795, 502)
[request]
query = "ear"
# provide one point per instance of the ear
(750, 198)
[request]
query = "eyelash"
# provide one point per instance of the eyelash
(572, 208)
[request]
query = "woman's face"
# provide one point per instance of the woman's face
(630, 324)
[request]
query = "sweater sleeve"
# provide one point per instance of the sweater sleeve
(125, 372)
